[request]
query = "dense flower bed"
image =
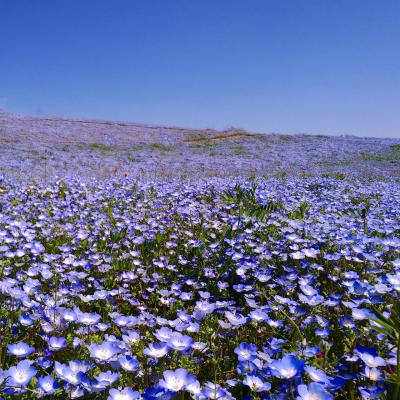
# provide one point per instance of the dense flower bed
(210, 290)
(42, 148)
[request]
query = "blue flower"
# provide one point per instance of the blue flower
(104, 351)
(177, 380)
(180, 342)
(20, 349)
(163, 334)
(43, 362)
(69, 315)
(235, 319)
(317, 375)
(124, 394)
(370, 393)
(215, 391)
(246, 352)
(87, 318)
(373, 373)
(152, 393)
(310, 351)
(276, 344)
(25, 319)
(104, 379)
(74, 373)
(360, 314)
(47, 384)
(156, 350)
(258, 315)
(21, 374)
(56, 343)
(246, 367)
(128, 362)
(288, 367)
(313, 391)
(370, 356)
(323, 332)
(256, 384)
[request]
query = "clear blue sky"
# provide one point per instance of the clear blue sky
(313, 66)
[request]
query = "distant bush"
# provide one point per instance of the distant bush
(160, 147)
(395, 147)
(100, 146)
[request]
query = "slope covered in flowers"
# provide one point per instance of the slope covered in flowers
(42, 147)
(219, 289)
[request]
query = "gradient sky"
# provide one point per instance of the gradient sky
(315, 66)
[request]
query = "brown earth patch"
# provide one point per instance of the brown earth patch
(219, 137)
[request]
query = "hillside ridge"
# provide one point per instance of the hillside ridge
(41, 147)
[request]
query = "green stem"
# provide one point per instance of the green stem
(398, 356)
(293, 323)
(397, 390)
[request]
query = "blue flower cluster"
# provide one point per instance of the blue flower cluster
(217, 289)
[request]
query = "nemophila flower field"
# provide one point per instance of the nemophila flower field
(43, 148)
(217, 289)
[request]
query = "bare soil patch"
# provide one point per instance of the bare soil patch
(219, 137)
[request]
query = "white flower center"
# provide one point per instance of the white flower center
(176, 384)
(312, 396)
(288, 372)
(47, 386)
(21, 376)
(19, 350)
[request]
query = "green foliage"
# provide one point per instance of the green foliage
(122, 265)
(161, 147)
(100, 146)
(117, 235)
(62, 192)
(390, 326)
(245, 200)
(300, 212)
